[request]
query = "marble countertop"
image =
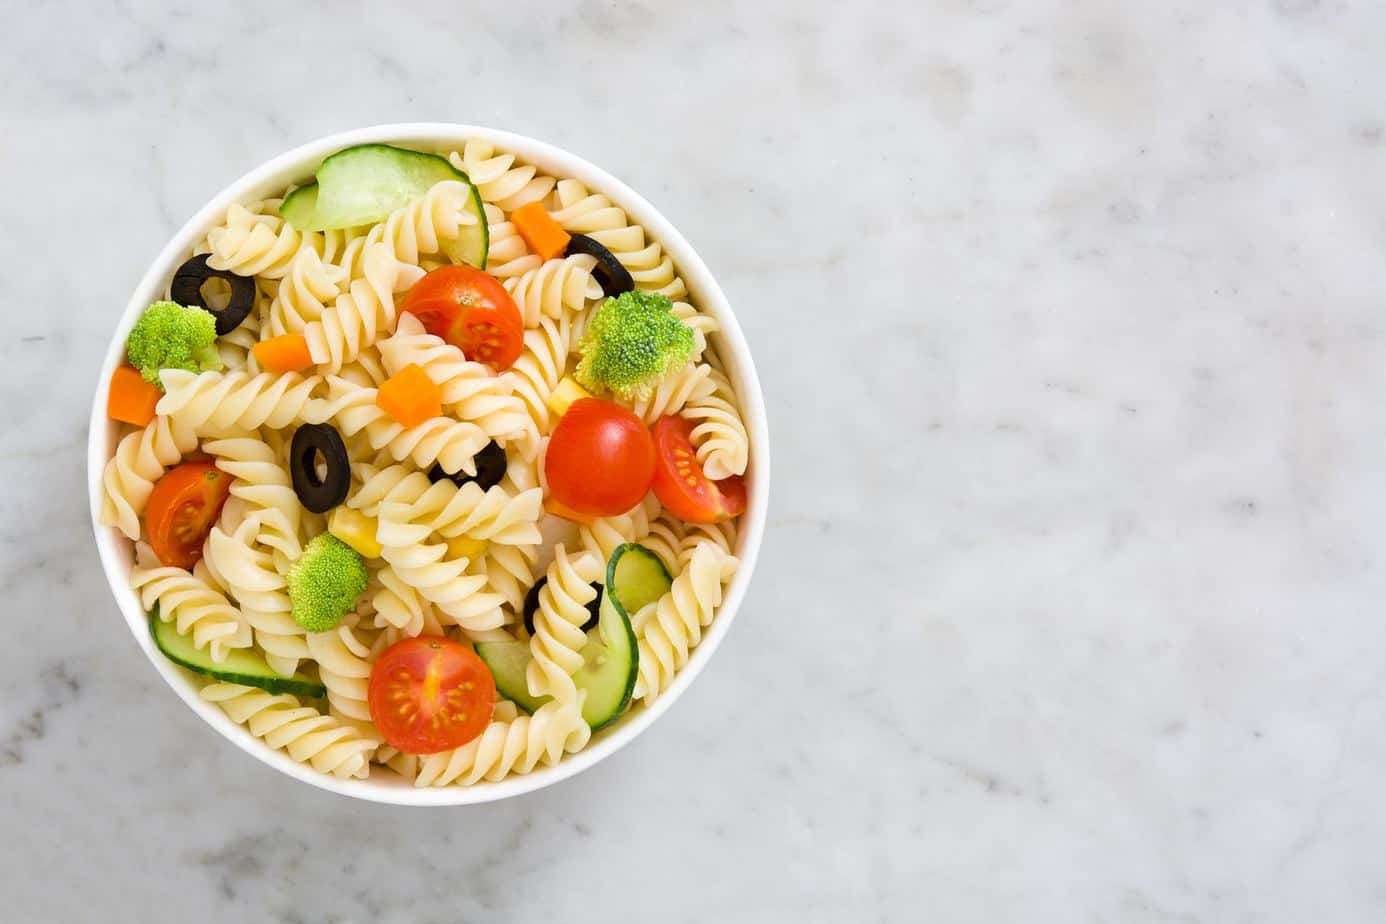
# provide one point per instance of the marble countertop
(1072, 319)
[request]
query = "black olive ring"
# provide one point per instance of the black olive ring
(186, 290)
(319, 494)
(611, 275)
(490, 469)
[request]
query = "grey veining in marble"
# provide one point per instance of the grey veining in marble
(1072, 317)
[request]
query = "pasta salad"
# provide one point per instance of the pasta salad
(430, 466)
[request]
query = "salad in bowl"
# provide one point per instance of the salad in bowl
(428, 460)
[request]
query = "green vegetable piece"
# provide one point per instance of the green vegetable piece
(169, 336)
(633, 342)
(325, 582)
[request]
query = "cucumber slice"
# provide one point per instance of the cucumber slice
(634, 577)
(474, 243)
(241, 665)
(299, 206)
(508, 661)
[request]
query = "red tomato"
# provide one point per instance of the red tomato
(600, 460)
(680, 484)
(430, 694)
(470, 310)
(184, 504)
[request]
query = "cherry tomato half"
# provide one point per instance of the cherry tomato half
(184, 504)
(600, 460)
(680, 484)
(470, 310)
(430, 694)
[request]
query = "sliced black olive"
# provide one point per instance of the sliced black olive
(532, 604)
(187, 291)
(490, 469)
(611, 275)
(311, 442)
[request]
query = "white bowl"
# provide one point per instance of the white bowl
(295, 166)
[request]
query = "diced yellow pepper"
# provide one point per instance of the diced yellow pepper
(465, 547)
(355, 529)
(566, 392)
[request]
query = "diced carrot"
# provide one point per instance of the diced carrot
(410, 396)
(544, 236)
(562, 510)
(285, 353)
(131, 398)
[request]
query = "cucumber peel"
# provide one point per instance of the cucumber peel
(363, 184)
(242, 665)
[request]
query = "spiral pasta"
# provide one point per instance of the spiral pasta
(327, 744)
(541, 366)
(190, 603)
(676, 625)
(723, 446)
(264, 483)
(595, 215)
(400, 606)
(509, 571)
(451, 443)
(555, 286)
(515, 746)
(344, 666)
(470, 391)
(603, 535)
(140, 459)
(359, 314)
(558, 637)
(497, 177)
(249, 575)
(309, 287)
(494, 515)
(508, 255)
(691, 383)
(255, 241)
(217, 402)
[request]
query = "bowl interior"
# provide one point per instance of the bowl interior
(297, 165)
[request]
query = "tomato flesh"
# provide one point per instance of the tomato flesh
(600, 460)
(430, 694)
(182, 509)
(680, 484)
(470, 310)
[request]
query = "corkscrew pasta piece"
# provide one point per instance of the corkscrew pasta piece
(470, 391)
(217, 402)
(140, 459)
(595, 215)
(723, 446)
(514, 746)
(255, 241)
(498, 178)
(264, 483)
(603, 535)
(344, 666)
(195, 608)
(676, 626)
(309, 287)
(556, 286)
(493, 515)
(327, 744)
(691, 383)
(400, 606)
(558, 636)
(508, 255)
(250, 576)
(541, 366)
(363, 312)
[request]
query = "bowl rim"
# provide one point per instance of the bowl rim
(295, 165)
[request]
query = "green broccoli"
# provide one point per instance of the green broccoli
(634, 340)
(325, 582)
(169, 336)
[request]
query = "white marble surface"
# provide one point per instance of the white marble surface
(1072, 317)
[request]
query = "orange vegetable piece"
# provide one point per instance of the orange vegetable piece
(544, 236)
(410, 396)
(559, 509)
(285, 353)
(132, 399)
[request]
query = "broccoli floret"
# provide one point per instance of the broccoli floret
(633, 342)
(169, 336)
(325, 582)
